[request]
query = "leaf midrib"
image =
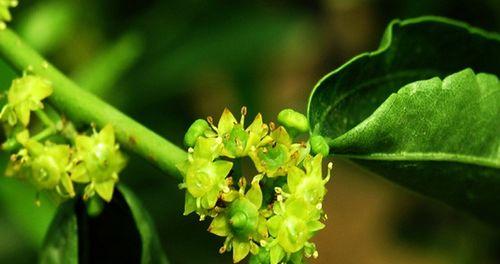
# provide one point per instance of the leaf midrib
(426, 156)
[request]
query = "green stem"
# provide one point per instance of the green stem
(44, 118)
(83, 107)
(11, 145)
(47, 132)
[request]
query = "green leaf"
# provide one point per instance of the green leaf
(440, 138)
(151, 248)
(61, 242)
(121, 233)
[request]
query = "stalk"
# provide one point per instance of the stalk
(81, 106)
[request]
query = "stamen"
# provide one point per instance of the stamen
(222, 250)
(330, 167)
(272, 126)
(243, 114)
(242, 183)
(210, 121)
(37, 200)
(93, 126)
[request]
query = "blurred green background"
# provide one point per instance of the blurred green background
(167, 63)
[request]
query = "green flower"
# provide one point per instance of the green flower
(309, 185)
(275, 158)
(98, 162)
(241, 223)
(5, 15)
(294, 224)
(47, 167)
(25, 95)
(204, 178)
(237, 140)
(272, 253)
(279, 230)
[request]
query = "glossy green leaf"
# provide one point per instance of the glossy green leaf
(61, 241)
(151, 248)
(121, 233)
(439, 136)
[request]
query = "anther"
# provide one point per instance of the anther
(272, 125)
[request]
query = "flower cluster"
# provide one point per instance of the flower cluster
(49, 153)
(5, 15)
(274, 217)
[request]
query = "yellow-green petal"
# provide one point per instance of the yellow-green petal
(314, 226)
(273, 224)
(107, 135)
(219, 225)
(226, 122)
(105, 189)
(23, 113)
(254, 195)
(294, 178)
(189, 204)
(277, 254)
(240, 249)
(67, 184)
(79, 174)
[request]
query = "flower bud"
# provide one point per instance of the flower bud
(196, 130)
(319, 145)
(293, 120)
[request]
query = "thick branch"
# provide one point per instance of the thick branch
(83, 107)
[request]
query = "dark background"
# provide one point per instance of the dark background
(166, 63)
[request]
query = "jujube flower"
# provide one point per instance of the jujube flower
(204, 178)
(98, 161)
(274, 219)
(25, 95)
(242, 223)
